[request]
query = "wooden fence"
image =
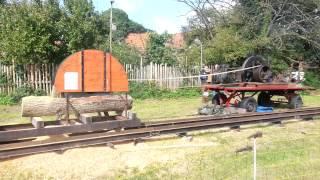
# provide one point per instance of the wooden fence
(41, 77)
(165, 76)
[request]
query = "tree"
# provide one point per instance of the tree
(291, 27)
(79, 25)
(123, 24)
(28, 32)
(157, 51)
(284, 31)
(123, 52)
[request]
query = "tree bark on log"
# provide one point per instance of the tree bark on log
(36, 106)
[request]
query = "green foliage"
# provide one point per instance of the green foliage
(281, 31)
(123, 52)
(29, 30)
(46, 32)
(23, 91)
(157, 51)
(312, 78)
(79, 25)
(151, 90)
(123, 24)
(227, 46)
(6, 100)
(3, 79)
(18, 94)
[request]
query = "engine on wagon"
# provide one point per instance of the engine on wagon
(250, 88)
(253, 69)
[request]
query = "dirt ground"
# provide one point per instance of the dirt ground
(94, 162)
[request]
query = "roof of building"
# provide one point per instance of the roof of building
(177, 41)
(140, 40)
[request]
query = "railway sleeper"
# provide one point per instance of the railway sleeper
(86, 124)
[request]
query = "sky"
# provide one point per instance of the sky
(157, 15)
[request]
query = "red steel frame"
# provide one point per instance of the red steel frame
(235, 90)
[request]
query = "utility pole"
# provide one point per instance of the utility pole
(111, 27)
(198, 41)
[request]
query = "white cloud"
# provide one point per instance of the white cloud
(162, 24)
(128, 5)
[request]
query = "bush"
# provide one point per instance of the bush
(151, 90)
(18, 94)
(312, 79)
(6, 100)
(25, 91)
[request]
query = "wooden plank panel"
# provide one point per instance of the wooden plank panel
(71, 64)
(93, 71)
(118, 76)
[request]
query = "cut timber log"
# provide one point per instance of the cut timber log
(37, 106)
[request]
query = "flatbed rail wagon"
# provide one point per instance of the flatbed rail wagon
(243, 94)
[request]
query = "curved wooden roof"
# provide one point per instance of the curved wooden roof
(91, 71)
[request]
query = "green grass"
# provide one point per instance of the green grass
(311, 101)
(283, 153)
(147, 110)
(290, 151)
(10, 114)
(152, 109)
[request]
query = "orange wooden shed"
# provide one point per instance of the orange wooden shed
(91, 71)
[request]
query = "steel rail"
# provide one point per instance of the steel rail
(220, 117)
(33, 147)
(154, 123)
(15, 132)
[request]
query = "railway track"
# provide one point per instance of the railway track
(146, 130)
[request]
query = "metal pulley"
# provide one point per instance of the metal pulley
(262, 73)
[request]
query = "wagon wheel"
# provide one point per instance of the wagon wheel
(295, 102)
(259, 74)
(249, 103)
(219, 99)
(264, 99)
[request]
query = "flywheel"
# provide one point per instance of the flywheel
(262, 73)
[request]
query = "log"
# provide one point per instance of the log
(36, 106)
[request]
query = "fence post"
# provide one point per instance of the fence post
(254, 137)
(254, 159)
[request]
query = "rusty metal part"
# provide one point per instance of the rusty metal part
(150, 130)
(260, 74)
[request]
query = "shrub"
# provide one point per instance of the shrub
(151, 90)
(25, 91)
(18, 94)
(6, 100)
(312, 78)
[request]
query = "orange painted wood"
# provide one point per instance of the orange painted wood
(101, 73)
(93, 71)
(70, 64)
(119, 80)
